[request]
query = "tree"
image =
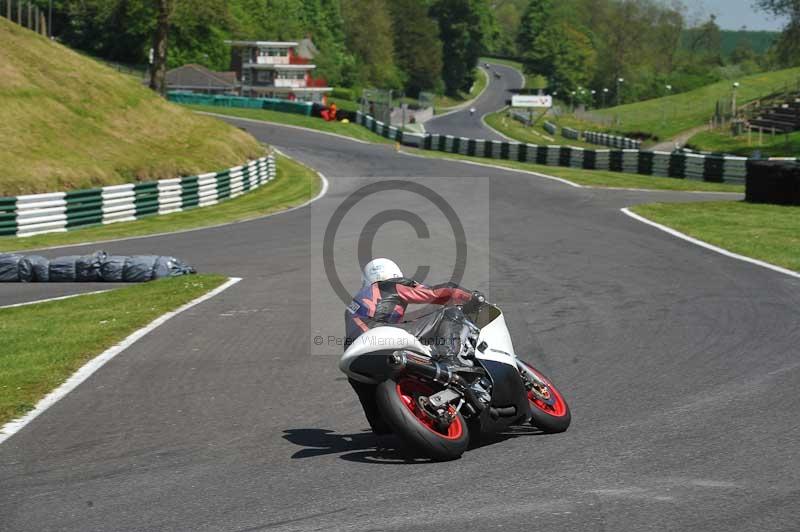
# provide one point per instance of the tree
(158, 70)
(509, 20)
(668, 28)
(780, 8)
(706, 40)
(119, 31)
(787, 49)
(369, 38)
(197, 34)
(564, 55)
(324, 21)
(533, 23)
(743, 52)
(460, 30)
(418, 50)
(490, 30)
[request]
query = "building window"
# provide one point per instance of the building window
(264, 76)
(273, 52)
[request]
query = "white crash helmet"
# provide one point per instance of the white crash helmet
(380, 270)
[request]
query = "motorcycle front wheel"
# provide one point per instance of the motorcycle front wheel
(398, 401)
(549, 411)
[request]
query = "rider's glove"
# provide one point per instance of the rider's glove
(474, 303)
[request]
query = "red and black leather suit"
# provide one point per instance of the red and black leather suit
(385, 303)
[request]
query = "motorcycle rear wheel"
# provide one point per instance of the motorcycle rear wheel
(397, 401)
(550, 413)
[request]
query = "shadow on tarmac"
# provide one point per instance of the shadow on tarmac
(369, 448)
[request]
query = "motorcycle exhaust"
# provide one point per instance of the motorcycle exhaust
(422, 366)
(410, 362)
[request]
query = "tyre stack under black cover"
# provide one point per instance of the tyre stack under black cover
(775, 182)
(98, 267)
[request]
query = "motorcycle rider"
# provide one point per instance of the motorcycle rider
(383, 299)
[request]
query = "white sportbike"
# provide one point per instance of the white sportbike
(434, 404)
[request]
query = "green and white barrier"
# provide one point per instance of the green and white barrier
(217, 100)
(569, 133)
(703, 167)
(713, 168)
(384, 130)
(35, 214)
(614, 141)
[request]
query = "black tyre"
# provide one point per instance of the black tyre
(397, 401)
(549, 411)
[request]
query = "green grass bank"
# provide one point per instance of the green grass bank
(767, 232)
(70, 122)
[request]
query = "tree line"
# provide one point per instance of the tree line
(390, 44)
(433, 45)
(629, 50)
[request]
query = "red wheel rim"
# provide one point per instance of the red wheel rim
(409, 390)
(556, 406)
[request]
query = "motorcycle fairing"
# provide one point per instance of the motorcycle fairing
(507, 390)
(494, 336)
(366, 360)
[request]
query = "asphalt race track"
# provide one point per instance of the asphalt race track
(461, 123)
(681, 367)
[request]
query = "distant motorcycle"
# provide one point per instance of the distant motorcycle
(471, 111)
(434, 406)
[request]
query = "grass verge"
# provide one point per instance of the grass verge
(596, 178)
(351, 130)
(45, 343)
(443, 104)
(69, 122)
(767, 232)
(773, 146)
(668, 116)
(505, 124)
(295, 184)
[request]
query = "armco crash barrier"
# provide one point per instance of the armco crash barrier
(98, 267)
(270, 104)
(61, 211)
(713, 168)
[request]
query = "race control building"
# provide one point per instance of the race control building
(274, 69)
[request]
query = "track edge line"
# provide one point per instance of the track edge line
(88, 369)
(711, 247)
